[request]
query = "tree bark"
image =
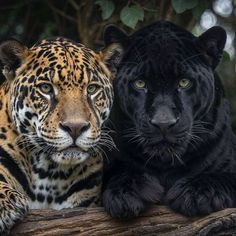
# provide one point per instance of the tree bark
(95, 222)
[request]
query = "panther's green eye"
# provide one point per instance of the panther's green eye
(46, 88)
(92, 88)
(139, 84)
(184, 83)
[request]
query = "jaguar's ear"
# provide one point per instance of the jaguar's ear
(113, 34)
(112, 56)
(114, 39)
(211, 43)
(12, 52)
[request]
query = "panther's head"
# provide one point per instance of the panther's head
(165, 83)
(60, 94)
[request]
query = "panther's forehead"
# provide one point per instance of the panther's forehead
(62, 62)
(164, 60)
(165, 48)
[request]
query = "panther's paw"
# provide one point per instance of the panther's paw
(14, 206)
(198, 196)
(121, 204)
(127, 196)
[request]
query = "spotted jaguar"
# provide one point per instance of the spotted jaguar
(53, 105)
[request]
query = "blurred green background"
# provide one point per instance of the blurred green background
(31, 20)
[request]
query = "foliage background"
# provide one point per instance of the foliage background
(84, 20)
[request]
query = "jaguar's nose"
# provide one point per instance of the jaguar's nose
(75, 129)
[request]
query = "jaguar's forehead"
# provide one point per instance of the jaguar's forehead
(63, 62)
(64, 51)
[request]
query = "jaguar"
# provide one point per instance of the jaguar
(172, 123)
(53, 104)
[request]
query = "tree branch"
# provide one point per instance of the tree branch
(60, 12)
(95, 222)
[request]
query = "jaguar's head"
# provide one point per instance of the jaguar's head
(165, 84)
(60, 94)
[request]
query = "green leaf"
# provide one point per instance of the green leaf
(131, 15)
(107, 7)
(226, 56)
(200, 8)
(182, 5)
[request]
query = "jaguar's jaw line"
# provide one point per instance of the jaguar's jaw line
(70, 155)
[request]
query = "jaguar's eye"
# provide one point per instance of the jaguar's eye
(139, 84)
(92, 88)
(184, 83)
(46, 88)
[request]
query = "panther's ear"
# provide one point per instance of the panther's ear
(113, 34)
(211, 43)
(111, 56)
(12, 52)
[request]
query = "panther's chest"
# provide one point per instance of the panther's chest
(60, 187)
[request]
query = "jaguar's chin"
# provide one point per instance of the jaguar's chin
(70, 156)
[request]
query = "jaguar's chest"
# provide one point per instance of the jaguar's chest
(46, 191)
(60, 187)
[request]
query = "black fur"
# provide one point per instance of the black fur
(176, 144)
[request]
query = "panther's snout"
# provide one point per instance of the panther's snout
(164, 118)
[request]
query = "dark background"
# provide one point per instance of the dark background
(32, 20)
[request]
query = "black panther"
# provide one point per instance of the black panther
(172, 124)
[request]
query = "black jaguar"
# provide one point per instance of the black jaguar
(172, 124)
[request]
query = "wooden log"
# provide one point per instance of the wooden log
(95, 222)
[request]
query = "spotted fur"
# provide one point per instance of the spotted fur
(51, 125)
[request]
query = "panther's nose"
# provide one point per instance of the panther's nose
(164, 118)
(163, 124)
(74, 129)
